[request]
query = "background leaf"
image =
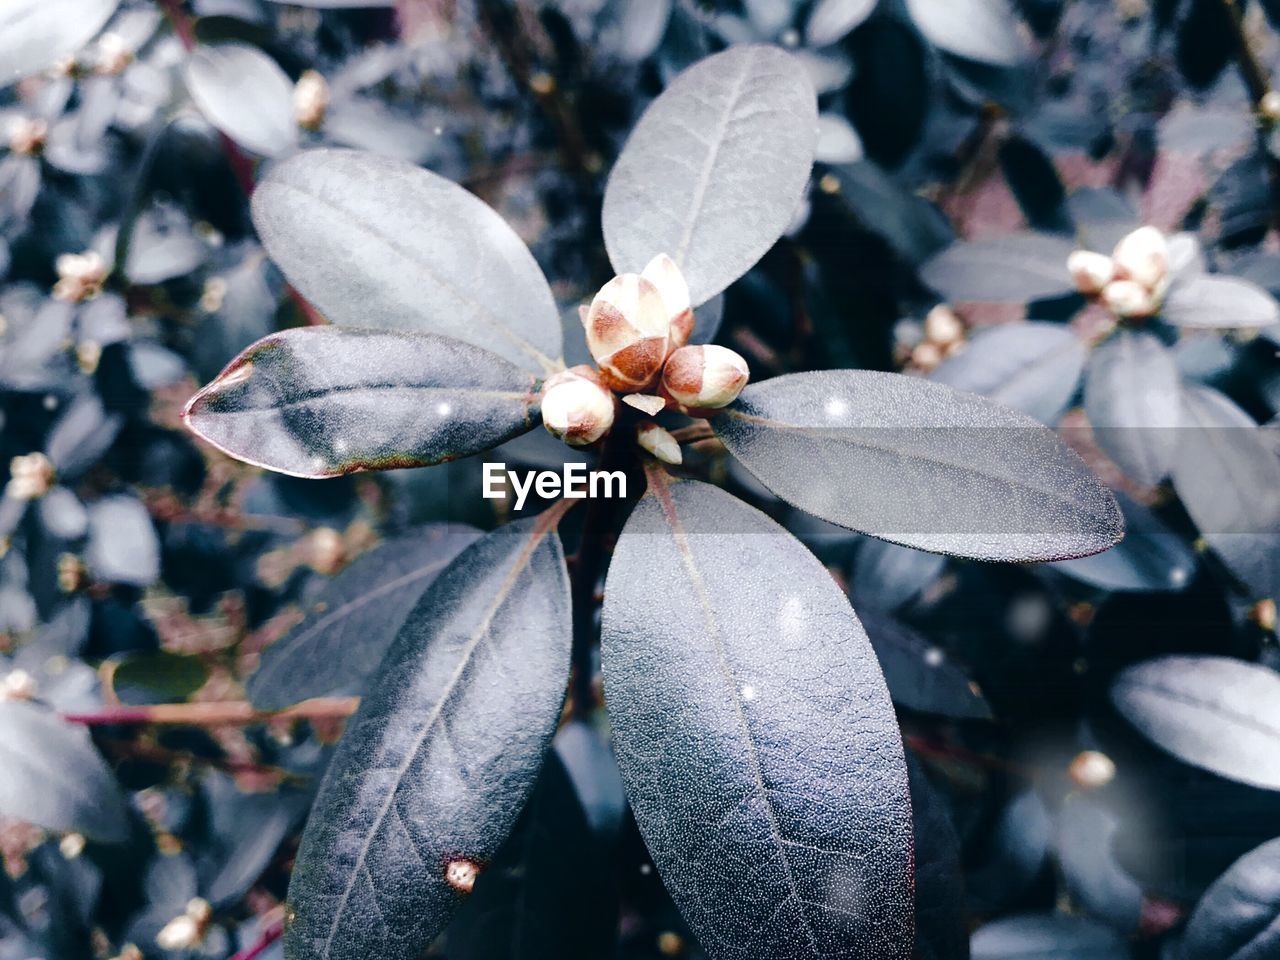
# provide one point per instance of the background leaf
(325, 401)
(1151, 557)
(1216, 713)
(920, 464)
(715, 168)
(727, 645)
(832, 20)
(53, 776)
(35, 34)
(919, 674)
(443, 752)
(1047, 936)
(123, 547)
(982, 30)
(245, 94)
(1218, 301)
(1239, 916)
(1132, 398)
(376, 242)
(352, 621)
(1010, 268)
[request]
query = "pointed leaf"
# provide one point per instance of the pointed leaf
(1133, 401)
(715, 169)
(35, 34)
(1151, 556)
(1215, 713)
(889, 576)
(982, 30)
(1033, 367)
(1239, 916)
(833, 20)
(1218, 301)
(920, 464)
(443, 753)
(1011, 268)
(377, 242)
(245, 94)
(352, 621)
(53, 776)
(755, 734)
(326, 401)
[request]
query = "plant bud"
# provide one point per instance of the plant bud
(660, 443)
(1092, 770)
(1127, 298)
(1143, 257)
(663, 273)
(943, 327)
(705, 376)
(114, 55)
(1091, 271)
(80, 276)
(310, 100)
(30, 477)
(647, 403)
(577, 407)
(18, 685)
(627, 332)
(27, 136)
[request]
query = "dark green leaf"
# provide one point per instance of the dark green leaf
(982, 30)
(160, 677)
(1012, 268)
(352, 621)
(1238, 918)
(754, 734)
(245, 94)
(376, 242)
(1133, 401)
(34, 34)
(715, 168)
(1033, 367)
(438, 762)
(920, 464)
(53, 776)
(325, 401)
(1218, 301)
(1215, 713)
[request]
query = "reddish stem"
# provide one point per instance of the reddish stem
(270, 934)
(215, 714)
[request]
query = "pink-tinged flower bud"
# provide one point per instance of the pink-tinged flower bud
(1143, 257)
(1091, 271)
(1127, 298)
(663, 273)
(27, 136)
(660, 443)
(627, 332)
(310, 100)
(943, 327)
(577, 407)
(705, 376)
(30, 477)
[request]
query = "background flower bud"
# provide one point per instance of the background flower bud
(1127, 298)
(1091, 271)
(659, 442)
(627, 332)
(576, 407)
(1143, 257)
(705, 376)
(310, 100)
(663, 273)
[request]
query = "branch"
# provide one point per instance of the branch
(216, 714)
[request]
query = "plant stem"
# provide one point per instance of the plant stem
(1254, 74)
(271, 932)
(216, 714)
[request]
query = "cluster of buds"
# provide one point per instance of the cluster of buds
(30, 477)
(638, 329)
(310, 100)
(80, 276)
(27, 136)
(1132, 281)
(113, 55)
(187, 930)
(943, 337)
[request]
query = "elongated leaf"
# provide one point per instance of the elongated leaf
(1133, 401)
(1047, 936)
(35, 34)
(1218, 301)
(245, 94)
(1011, 268)
(325, 401)
(1151, 557)
(1215, 713)
(1084, 845)
(1032, 367)
(832, 20)
(1239, 916)
(53, 776)
(1223, 471)
(982, 30)
(351, 623)
(439, 760)
(941, 933)
(755, 734)
(123, 547)
(377, 242)
(920, 464)
(919, 674)
(889, 576)
(714, 171)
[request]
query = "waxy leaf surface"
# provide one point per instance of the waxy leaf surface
(1132, 398)
(1238, 918)
(245, 94)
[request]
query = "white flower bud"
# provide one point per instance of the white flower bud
(1127, 298)
(1091, 271)
(27, 135)
(706, 376)
(943, 327)
(18, 685)
(663, 273)
(186, 931)
(80, 276)
(310, 100)
(628, 332)
(113, 56)
(30, 477)
(577, 407)
(1143, 257)
(659, 442)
